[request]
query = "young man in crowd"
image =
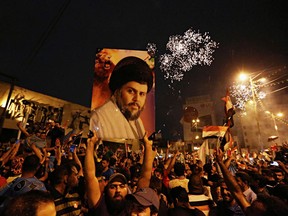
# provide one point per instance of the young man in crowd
(262, 206)
(32, 203)
(63, 187)
(27, 181)
(113, 200)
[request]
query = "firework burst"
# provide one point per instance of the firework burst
(186, 51)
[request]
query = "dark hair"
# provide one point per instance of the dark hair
(106, 158)
(99, 169)
(31, 163)
(27, 204)
(244, 177)
(159, 170)
(180, 194)
(179, 169)
(112, 161)
(156, 184)
(276, 169)
(207, 168)
(58, 174)
(195, 184)
(266, 205)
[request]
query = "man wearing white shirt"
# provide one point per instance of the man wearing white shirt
(119, 117)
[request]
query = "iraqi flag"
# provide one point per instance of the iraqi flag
(214, 131)
(222, 133)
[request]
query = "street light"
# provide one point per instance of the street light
(273, 117)
(252, 85)
(279, 114)
(195, 123)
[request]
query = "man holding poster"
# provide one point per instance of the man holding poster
(119, 117)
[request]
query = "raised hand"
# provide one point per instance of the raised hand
(219, 155)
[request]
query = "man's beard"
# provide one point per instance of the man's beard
(125, 108)
(115, 206)
(228, 199)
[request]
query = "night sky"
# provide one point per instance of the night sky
(49, 46)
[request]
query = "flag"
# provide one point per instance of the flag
(222, 133)
(214, 131)
(227, 142)
(203, 152)
(229, 110)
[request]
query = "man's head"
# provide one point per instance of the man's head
(116, 191)
(279, 174)
(195, 185)
(179, 196)
(158, 172)
(31, 164)
(34, 202)
(266, 205)
(105, 162)
(225, 193)
(130, 82)
(179, 169)
(143, 202)
(43, 135)
(243, 179)
(66, 174)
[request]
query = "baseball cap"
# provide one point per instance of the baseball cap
(117, 177)
(145, 197)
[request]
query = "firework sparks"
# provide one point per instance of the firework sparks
(243, 92)
(188, 50)
(151, 49)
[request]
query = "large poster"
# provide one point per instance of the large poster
(109, 102)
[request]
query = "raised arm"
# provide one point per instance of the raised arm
(232, 183)
(11, 153)
(92, 185)
(76, 159)
(172, 162)
(230, 159)
(167, 151)
(146, 170)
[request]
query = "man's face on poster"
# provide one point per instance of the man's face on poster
(131, 98)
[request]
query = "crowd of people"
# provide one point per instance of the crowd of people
(48, 172)
(44, 174)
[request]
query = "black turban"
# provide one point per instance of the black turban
(131, 69)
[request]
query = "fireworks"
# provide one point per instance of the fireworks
(151, 49)
(243, 92)
(188, 50)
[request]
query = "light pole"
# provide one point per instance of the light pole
(274, 121)
(260, 143)
(249, 90)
